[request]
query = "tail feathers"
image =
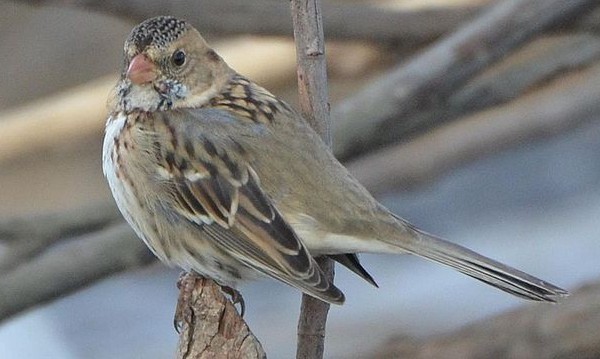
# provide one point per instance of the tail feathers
(484, 269)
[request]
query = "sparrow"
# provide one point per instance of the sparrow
(221, 178)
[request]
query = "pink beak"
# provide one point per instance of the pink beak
(141, 70)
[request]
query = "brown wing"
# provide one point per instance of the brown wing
(219, 190)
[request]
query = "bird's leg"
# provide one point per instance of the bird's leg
(236, 298)
(183, 311)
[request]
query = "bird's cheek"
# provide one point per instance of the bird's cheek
(143, 98)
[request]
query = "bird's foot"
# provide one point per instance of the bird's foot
(236, 298)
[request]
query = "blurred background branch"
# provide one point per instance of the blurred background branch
(73, 265)
(271, 17)
(23, 238)
(427, 80)
(564, 331)
(559, 106)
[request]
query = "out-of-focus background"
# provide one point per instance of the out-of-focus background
(494, 144)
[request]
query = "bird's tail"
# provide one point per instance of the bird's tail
(479, 267)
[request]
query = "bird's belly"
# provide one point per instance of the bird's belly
(175, 240)
(179, 244)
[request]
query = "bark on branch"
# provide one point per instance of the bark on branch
(215, 329)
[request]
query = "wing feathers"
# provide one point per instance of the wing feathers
(215, 186)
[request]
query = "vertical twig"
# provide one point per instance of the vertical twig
(314, 104)
(312, 71)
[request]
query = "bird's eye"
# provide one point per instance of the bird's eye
(178, 58)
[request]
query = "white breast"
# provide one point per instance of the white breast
(121, 191)
(114, 125)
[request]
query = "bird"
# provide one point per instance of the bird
(221, 178)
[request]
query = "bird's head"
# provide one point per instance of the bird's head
(168, 65)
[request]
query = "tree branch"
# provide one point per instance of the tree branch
(312, 70)
(216, 330)
(568, 330)
(314, 105)
(378, 114)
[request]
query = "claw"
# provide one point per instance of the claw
(236, 298)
